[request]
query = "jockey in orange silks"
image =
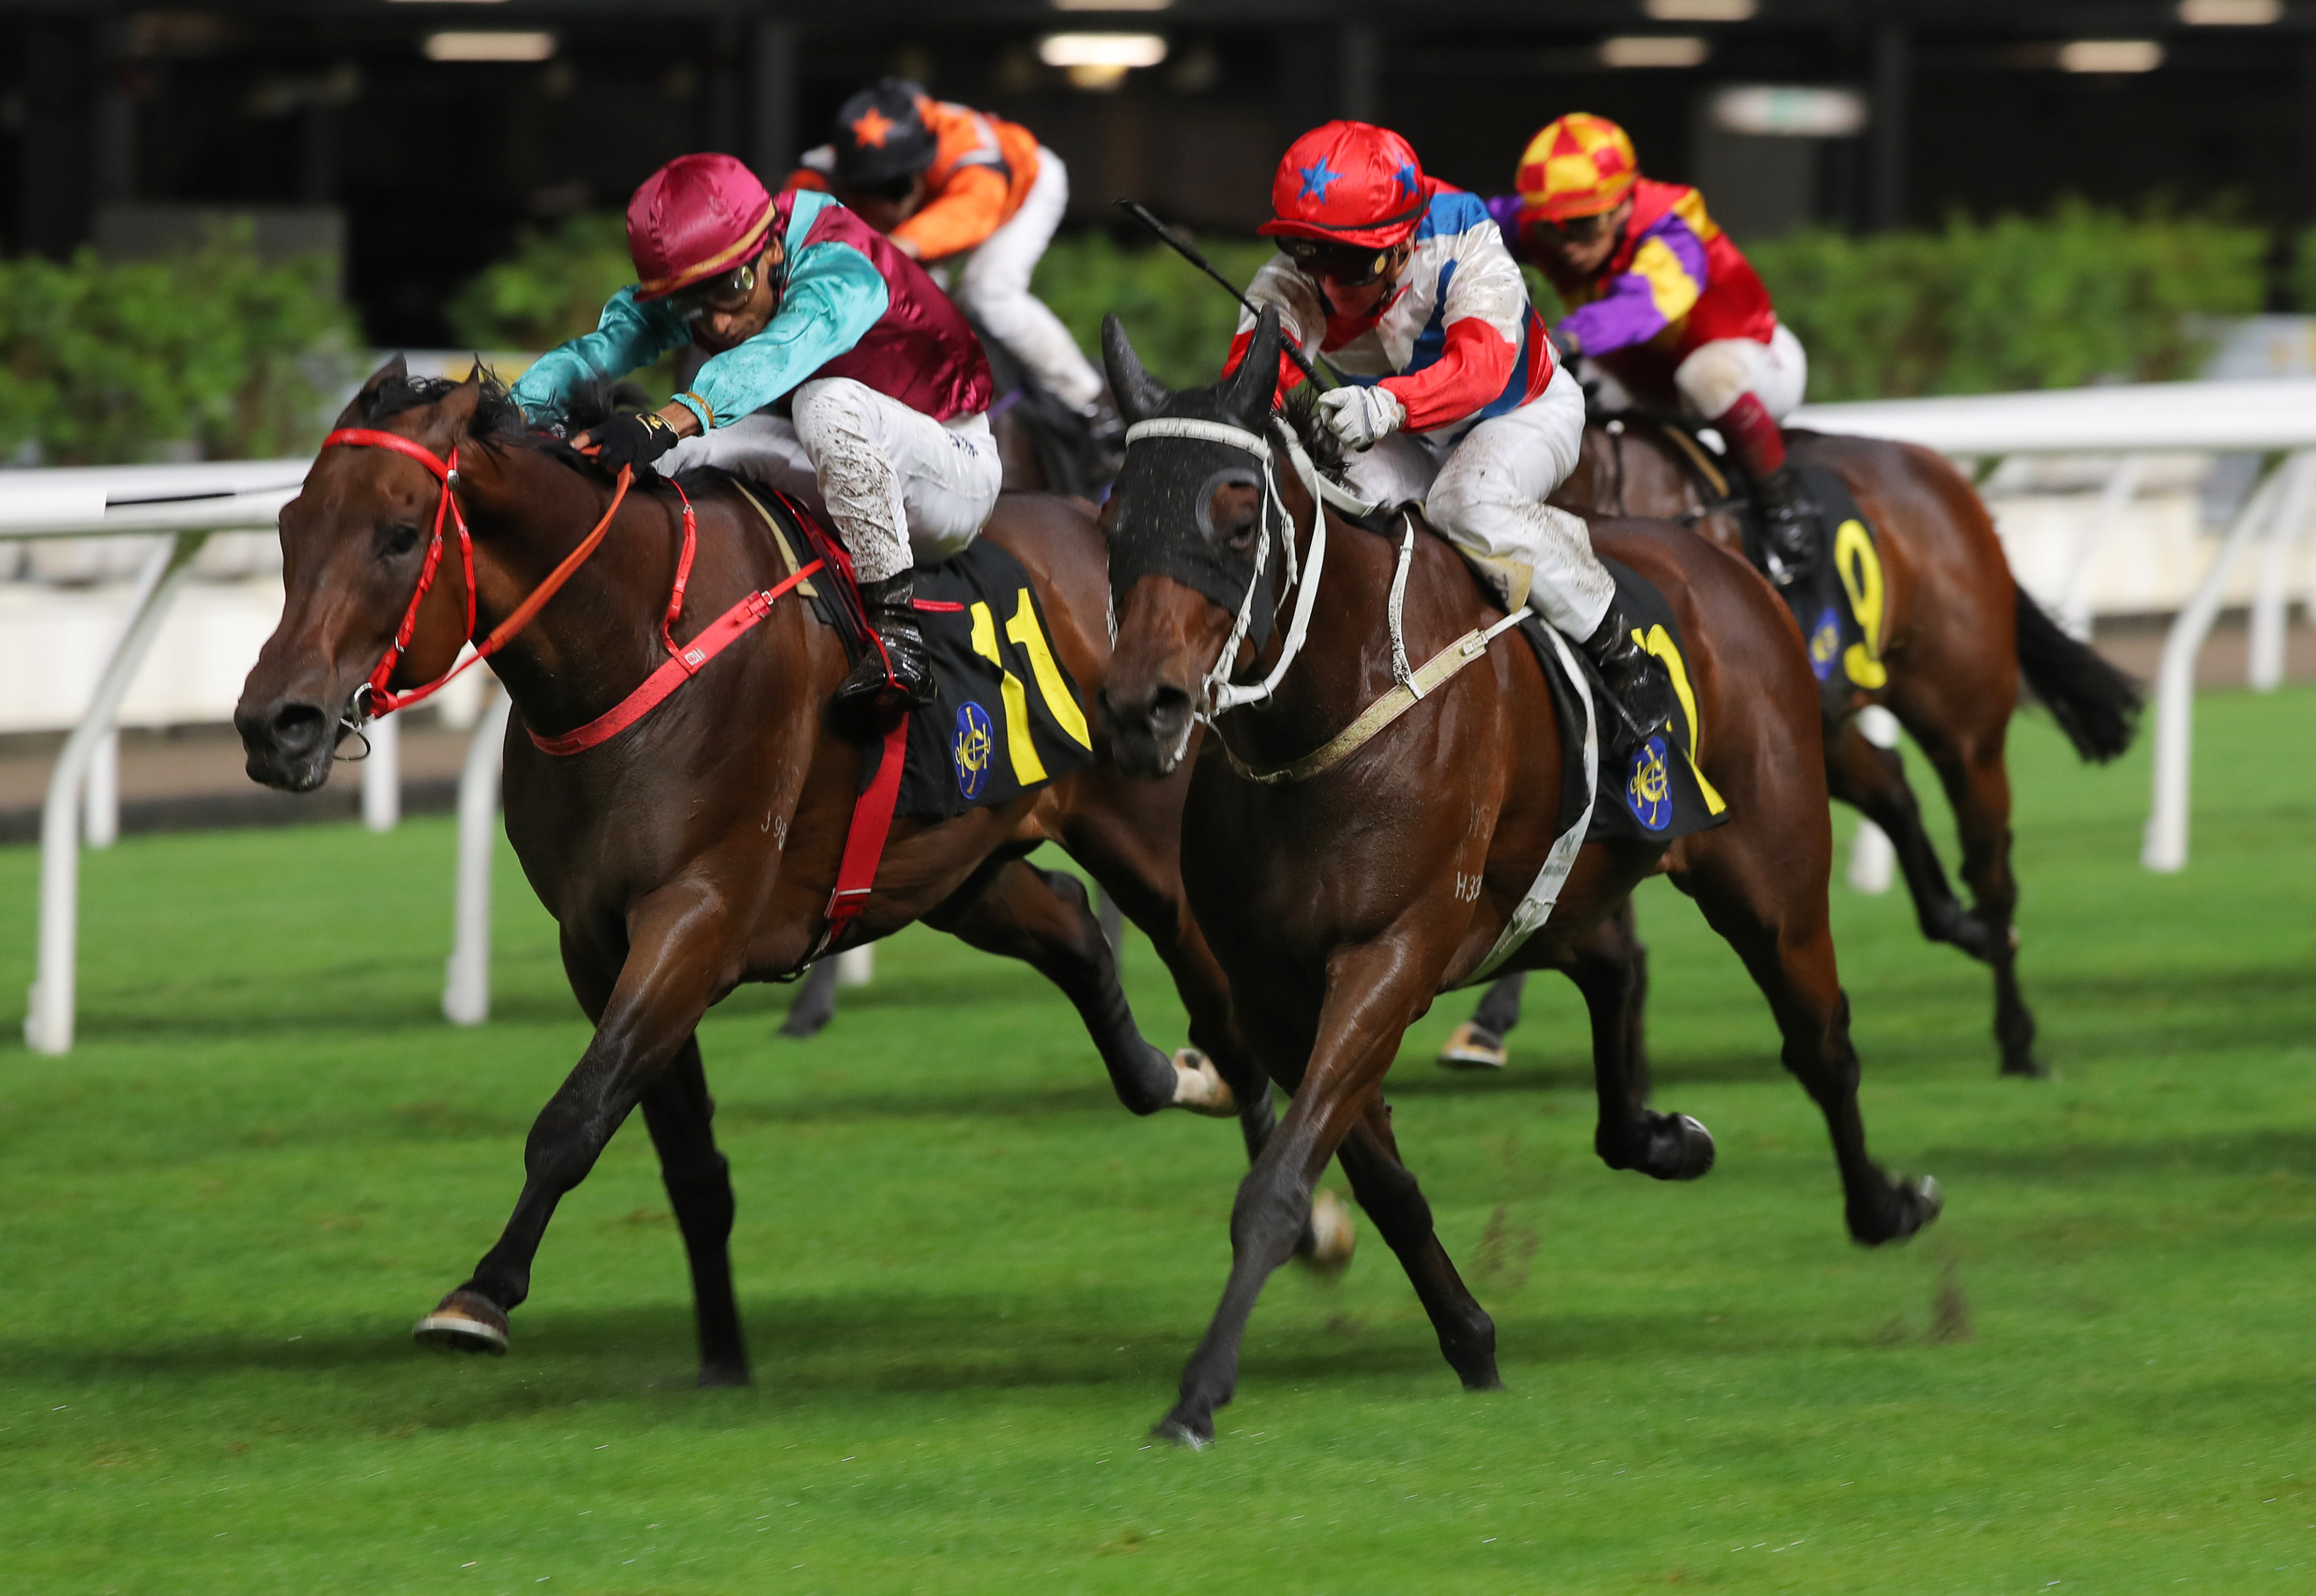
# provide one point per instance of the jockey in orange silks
(946, 181)
(1662, 302)
(885, 427)
(1452, 396)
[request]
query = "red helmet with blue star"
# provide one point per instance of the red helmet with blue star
(1347, 182)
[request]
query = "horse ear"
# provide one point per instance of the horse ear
(1139, 395)
(1249, 392)
(457, 408)
(396, 369)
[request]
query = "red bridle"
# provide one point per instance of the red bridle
(381, 699)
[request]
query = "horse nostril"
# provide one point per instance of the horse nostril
(298, 729)
(1168, 710)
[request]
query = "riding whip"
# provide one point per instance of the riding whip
(1190, 252)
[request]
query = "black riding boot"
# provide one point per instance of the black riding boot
(892, 612)
(1638, 691)
(1788, 526)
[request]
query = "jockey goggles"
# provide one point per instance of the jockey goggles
(1349, 265)
(1572, 230)
(726, 291)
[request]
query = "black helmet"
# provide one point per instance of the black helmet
(880, 135)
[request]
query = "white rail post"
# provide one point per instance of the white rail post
(2075, 595)
(48, 1021)
(2271, 603)
(857, 967)
(2286, 494)
(466, 985)
(381, 774)
(100, 820)
(1872, 854)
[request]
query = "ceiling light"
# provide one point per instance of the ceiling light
(1111, 4)
(1700, 11)
(489, 46)
(2231, 14)
(449, 2)
(1653, 50)
(1783, 112)
(2110, 55)
(1100, 60)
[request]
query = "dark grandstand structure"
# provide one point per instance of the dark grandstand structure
(414, 136)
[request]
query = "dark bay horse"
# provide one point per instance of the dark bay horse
(1956, 635)
(697, 850)
(1342, 903)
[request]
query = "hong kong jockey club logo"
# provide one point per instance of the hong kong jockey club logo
(1825, 644)
(1648, 789)
(970, 749)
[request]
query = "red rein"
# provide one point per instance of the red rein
(684, 662)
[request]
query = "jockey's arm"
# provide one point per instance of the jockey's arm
(1656, 291)
(834, 295)
(1302, 319)
(631, 334)
(1484, 313)
(969, 208)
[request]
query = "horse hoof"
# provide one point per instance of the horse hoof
(1330, 1237)
(1696, 1148)
(1470, 1048)
(464, 1322)
(1929, 1201)
(715, 1375)
(1200, 1088)
(2027, 1067)
(1182, 1433)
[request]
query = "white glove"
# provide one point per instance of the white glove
(1361, 418)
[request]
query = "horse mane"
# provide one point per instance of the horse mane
(499, 423)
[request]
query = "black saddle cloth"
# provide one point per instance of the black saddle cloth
(1655, 793)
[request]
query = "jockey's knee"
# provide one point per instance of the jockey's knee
(1717, 375)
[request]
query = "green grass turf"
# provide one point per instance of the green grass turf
(970, 1278)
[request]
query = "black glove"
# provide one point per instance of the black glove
(635, 440)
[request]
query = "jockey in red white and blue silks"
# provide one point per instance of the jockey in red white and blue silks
(798, 300)
(1452, 396)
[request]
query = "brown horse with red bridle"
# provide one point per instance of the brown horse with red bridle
(1344, 897)
(1956, 635)
(698, 847)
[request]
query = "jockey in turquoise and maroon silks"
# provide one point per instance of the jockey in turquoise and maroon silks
(1663, 302)
(798, 300)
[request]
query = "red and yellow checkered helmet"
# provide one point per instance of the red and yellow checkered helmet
(1580, 164)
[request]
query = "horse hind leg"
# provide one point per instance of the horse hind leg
(1782, 936)
(1873, 781)
(1044, 919)
(1977, 783)
(678, 1111)
(1610, 969)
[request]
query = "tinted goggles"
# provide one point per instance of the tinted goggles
(726, 291)
(1353, 265)
(1574, 229)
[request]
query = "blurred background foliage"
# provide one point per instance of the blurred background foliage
(211, 353)
(217, 353)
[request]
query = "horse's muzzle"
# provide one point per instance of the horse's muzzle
(289, 743)
(1147, 729)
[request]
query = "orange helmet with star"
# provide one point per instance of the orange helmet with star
(1579, 164)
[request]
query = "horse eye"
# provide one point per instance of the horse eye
(400, 540)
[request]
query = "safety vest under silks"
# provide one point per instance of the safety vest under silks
(851, 305)
(1675, 281)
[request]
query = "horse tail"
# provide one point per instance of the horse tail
(2096, 705)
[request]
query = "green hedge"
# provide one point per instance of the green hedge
(2081, 295)
(104, 362)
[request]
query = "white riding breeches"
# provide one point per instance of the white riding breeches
(1485, 491)
(993, 288)
(900, 488)
(1713, 375)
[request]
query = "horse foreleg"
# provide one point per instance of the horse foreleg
(678, 1111)
(816, 1002)
(1044, 919)
(677, 949)
(1873, 781)
(1388, 1192)
(1778, 925)
(1610, 968)
(1478, 1042)
(1374, 992)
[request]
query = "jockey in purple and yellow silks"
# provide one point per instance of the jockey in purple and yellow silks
(883, 390)
(1662, 301)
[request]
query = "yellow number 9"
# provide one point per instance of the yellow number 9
(1860, 570)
